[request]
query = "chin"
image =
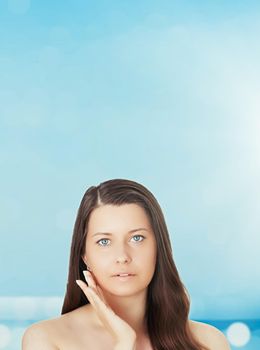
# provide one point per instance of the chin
(125, 290)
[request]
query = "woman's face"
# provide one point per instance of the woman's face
(120, 239)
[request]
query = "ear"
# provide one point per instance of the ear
(83, 257)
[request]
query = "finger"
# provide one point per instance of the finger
(90, 292)
(90, 280)
(100, 305)
(86, 290)
(102, 296)
(92, 295)
(92, 283)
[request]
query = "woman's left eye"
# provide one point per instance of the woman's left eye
(139, 236)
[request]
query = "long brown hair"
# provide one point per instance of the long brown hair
(168, 302)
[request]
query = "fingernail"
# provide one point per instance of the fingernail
(78, 282)
(86, 277)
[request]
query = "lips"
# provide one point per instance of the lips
(123, 274)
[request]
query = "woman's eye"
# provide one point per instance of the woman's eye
(105, 239)
(139, 236)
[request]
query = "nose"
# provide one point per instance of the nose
(123, 257)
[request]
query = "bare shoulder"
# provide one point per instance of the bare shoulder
(66, 332)
(209, 336)
(39, 335)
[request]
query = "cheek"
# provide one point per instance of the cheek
(147, 259)
(149, 254)
(101, 261)
(98, 259)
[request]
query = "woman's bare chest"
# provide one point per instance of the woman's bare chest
(92, 341)
(82, 339)
(91, 344)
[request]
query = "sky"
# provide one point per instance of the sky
(165, 93)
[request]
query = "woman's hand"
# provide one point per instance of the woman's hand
(118, 328)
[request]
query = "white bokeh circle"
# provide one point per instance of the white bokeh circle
(238, 334)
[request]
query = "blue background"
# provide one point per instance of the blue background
(165, 93)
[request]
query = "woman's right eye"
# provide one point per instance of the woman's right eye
(103, 239)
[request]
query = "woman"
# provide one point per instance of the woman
(124, 291)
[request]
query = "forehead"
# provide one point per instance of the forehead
(112, 217)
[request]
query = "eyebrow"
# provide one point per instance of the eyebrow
(110, 234)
